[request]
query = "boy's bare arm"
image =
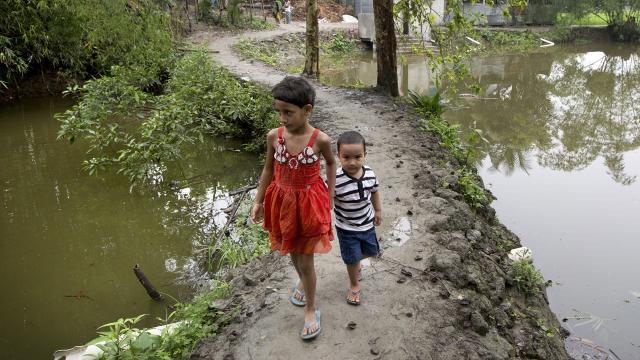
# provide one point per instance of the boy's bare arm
(257, 212)
(377, 208)
(330, 162)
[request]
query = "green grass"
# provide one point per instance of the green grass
(526, 277)
(590, 19)
(431, 110)
(252, 49)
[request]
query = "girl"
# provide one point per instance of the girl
(296, 203)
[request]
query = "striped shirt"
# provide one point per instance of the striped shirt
(352, 201)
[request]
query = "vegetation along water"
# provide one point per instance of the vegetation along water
(553, 132)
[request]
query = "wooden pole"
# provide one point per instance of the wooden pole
(153, 293)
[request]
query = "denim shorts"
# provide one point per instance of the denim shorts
(355, 245)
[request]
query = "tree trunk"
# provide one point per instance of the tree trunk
(386, 46)
(312, 46)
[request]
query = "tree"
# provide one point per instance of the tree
(312, 46)
(386, 46)
(620, 15)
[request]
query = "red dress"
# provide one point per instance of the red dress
(296, 203)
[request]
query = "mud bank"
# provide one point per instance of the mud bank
(446, 293)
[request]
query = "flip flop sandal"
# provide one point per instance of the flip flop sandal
(354, 294)
(308, 326)
(296, 301)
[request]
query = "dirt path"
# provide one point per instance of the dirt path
(443, 294)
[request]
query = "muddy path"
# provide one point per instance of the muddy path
(446, 293)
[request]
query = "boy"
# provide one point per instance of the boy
(357, 208)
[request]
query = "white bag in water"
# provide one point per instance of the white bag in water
(521, 253)
(349, 19)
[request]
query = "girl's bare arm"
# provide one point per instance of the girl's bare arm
(257, 212)
(324, 143)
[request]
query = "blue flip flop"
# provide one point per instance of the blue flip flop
(307, 325)
(296, 301)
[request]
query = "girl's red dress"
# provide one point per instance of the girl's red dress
(296, 203)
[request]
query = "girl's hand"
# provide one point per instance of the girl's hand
(257, 213)
(377, 219)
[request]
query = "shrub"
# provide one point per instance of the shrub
(137, 133)
(526, 277)
(83, 37)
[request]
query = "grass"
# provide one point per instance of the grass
(192, 321)
(281, 52)
(590, 19)
(526, 277)
(431, 109)
(504, 41)
(251, 49)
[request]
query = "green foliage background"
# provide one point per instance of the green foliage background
(83, 38)
(137, 132)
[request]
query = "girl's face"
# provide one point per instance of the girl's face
(351, 158)
(292, 116)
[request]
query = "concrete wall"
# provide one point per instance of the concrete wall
(366, 22)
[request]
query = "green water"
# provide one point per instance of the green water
(68, 241)
(563, 159)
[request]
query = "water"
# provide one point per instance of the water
(563, 159)
(68, 241)
(361, 70)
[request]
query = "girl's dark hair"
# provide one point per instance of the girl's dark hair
(351, 137)
(294, 90)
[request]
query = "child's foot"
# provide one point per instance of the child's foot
(353, 296)
(311, 327)
(297, 296)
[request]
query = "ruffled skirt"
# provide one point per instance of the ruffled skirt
(298, 219)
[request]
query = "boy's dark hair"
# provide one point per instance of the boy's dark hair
(351, 137)
(294, 90)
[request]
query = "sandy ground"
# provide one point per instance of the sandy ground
(444, 294)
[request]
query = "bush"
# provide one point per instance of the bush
(83, 37)
(137, 133)
(425, 105)
(431, 109)
(526, 277)
(340, 44)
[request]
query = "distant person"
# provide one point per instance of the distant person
(292, 198)
(277, 11)
(288, 12)
(357, 208)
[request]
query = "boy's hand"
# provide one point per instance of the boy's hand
(257, 213)
(377, 220)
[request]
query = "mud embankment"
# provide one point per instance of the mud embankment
(446, 293)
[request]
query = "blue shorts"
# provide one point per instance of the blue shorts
(355, 245)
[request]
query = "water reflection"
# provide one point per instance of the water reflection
(562, 110)
(68, 240)
(563, 160)
(361, 70)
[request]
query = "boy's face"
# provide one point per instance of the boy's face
(351, 158)
(292, 116)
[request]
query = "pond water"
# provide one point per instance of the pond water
(69, 241)
(563, 159)
(360, 70)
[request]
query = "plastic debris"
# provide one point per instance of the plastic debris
(521, 253)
